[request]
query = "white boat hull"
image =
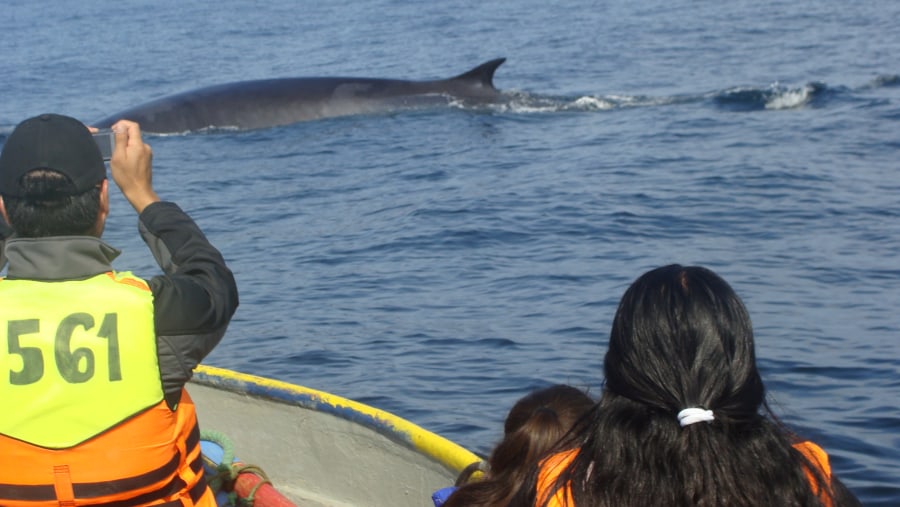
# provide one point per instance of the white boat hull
(324, 450)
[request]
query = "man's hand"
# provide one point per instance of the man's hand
(131, 165)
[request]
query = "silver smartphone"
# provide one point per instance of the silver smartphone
(106, 140)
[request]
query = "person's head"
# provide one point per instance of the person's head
(536, 422)
(681, 338)
(53, 179)
(533, 426)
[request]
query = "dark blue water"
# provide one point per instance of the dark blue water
(440, 263)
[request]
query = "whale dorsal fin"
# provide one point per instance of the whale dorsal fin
(483, 74)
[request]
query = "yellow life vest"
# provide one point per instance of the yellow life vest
(85, 421)
(80, 357)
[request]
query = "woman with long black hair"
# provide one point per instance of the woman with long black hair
(683, 419)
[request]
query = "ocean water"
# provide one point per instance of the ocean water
(439, 263)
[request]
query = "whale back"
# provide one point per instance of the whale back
(282, 101)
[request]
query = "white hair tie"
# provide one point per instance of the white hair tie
(693, 415)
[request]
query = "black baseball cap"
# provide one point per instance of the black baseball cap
(51, 141)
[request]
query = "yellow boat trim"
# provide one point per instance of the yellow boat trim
(442, 450)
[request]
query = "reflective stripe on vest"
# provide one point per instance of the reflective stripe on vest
(79, 358)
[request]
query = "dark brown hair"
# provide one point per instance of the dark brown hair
(533, 426)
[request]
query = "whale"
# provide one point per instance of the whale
(264, 103)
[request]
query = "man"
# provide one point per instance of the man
(95, 361)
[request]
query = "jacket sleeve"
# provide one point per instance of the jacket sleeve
(195, 298)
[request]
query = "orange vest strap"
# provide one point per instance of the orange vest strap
(195, 493)
(63, 486)
(550, 468)
(65, 491)
(818, 459)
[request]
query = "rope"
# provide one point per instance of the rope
(264, 479)
(227, 471)
(225, 474)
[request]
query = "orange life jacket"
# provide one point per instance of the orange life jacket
(84, 422)
(151, 459)
(819, 459)
(554, 465)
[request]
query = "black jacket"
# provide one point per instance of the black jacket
(193, 301)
